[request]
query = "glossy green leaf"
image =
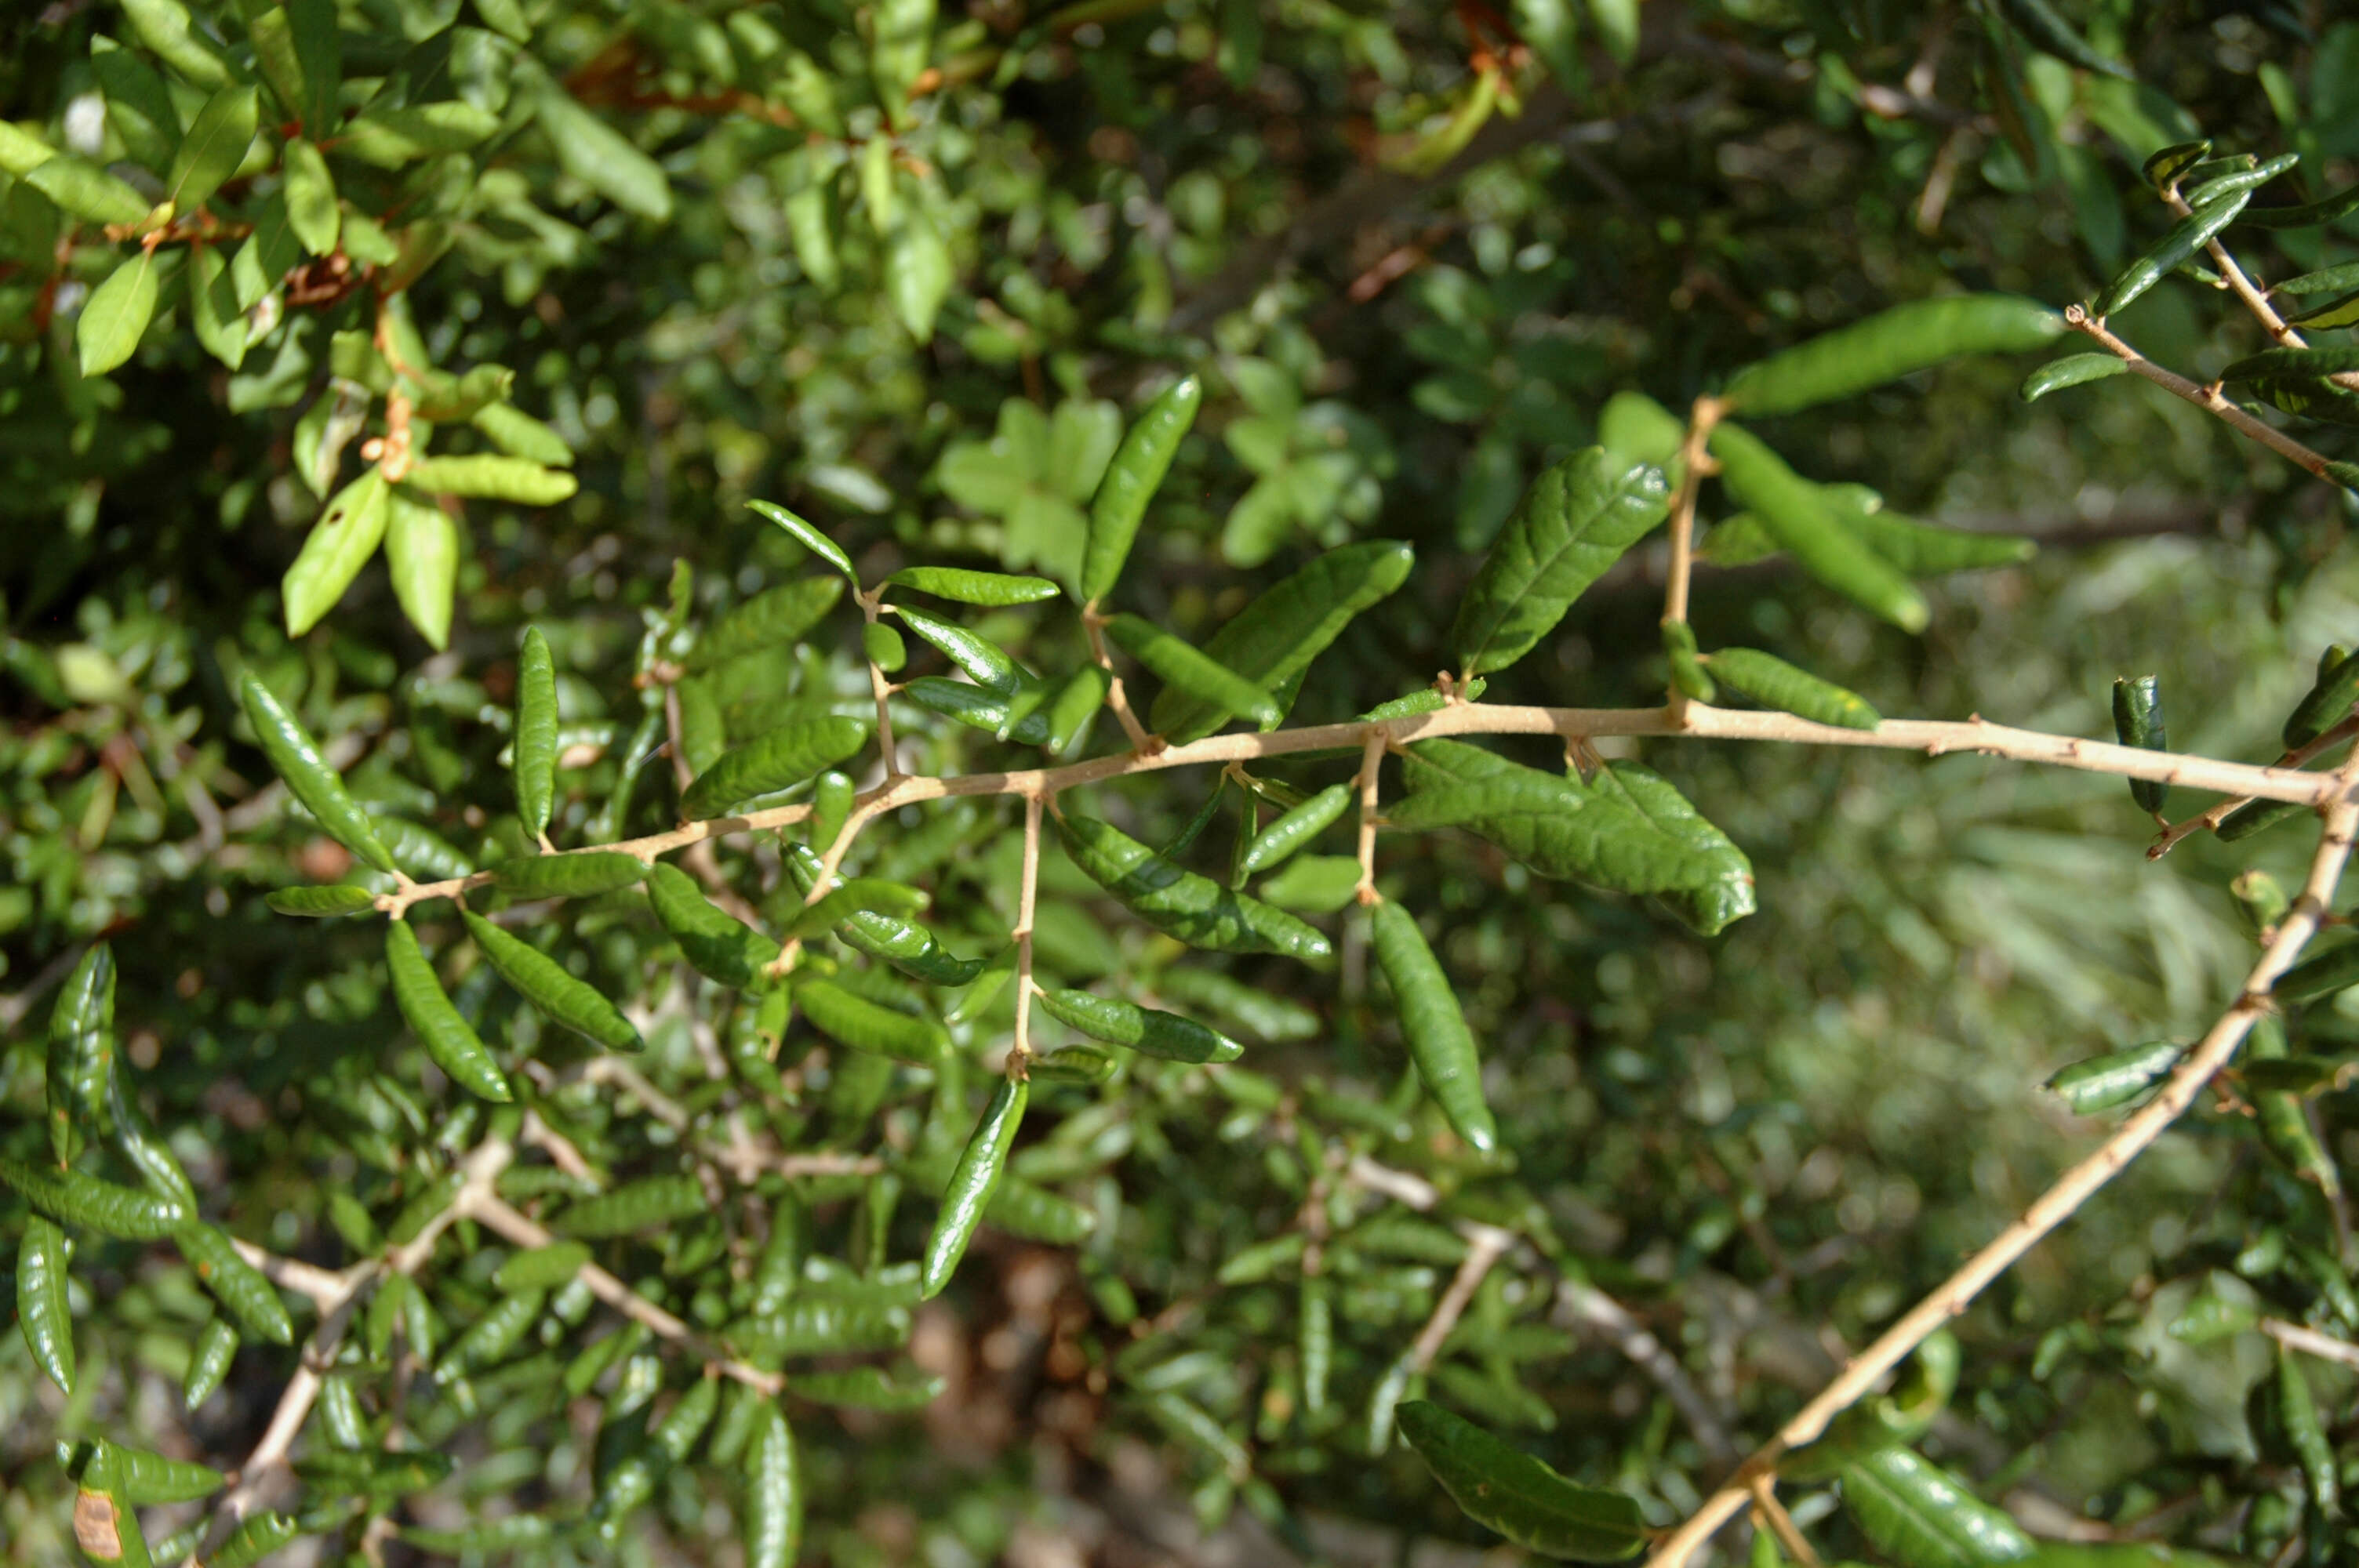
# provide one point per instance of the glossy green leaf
(117, 314)
(519, 435)
(421, 551)
(393, 1473)
(297, 761)
(536, 732)
(979, 709)
(1799, 519)
(42, 1312)
(1921, 1516)
(241, 1288)
(1186, 669)
(209, 1362)
(774, 616)
(774, 1495)
(1070, 707)
(1506, 1491)
(810, 538)
(1688, 677)
(1195, 909)
(642, 1206)
(87, 192)
(1774, 683)
(1144, 1030)
(494, 478)
(447, 1037)
(2306, 215)
(918, 273)
(339, 544)
(777, 759)
(972, 1179)
(1888, 345)
(868, 1387)
(853, 1020)
(2188, 236)
(982, 661)
(2116, 1077)
(1130, 481)
(1438, 1041)
(1273, 639)
(2138, 721)
(715, 943)
(1575, 522)
(544, 982)
(1295, 828)
(991, 589)
(2072, 370)
(884, 647)
(580, 873)
(906, 946)
(1634, 430)
(215, 144)
(2327, 702)
(81, 1058)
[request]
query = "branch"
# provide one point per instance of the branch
(2207, 398)
(1486, 1244)
(1372, 757)
(497, 1214)
(1588, 1305)
(1027, 891)
(871, 605)
(2059, 1202)
(2325, 1346)
(1933, 737)
(1117, 697)
(2211, 818)
(1694, 464)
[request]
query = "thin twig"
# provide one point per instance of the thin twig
(871, 606)
(2254, 300)
(2210, 818)
(1117, 697)
(1588, 1305)
(1695, 464)
(2207, 398)
(1372, 759)
(2310, 1342)
(2059, 1202)
(1486, 1244)
(1027, 891)
(497, 1214)
(1781, 1523)
(1933, 737)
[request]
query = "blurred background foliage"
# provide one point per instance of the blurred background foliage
(910, 274)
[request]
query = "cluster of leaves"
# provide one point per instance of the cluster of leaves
(286, 284)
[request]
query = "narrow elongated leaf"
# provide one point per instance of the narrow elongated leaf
(214, 148)
(855, 1021)
(70, 1198)
(868, 1388)
(421, 551)
(1918, 1514)
(1195, 909)
(238, 1285)
(1130, 481)
(715, 943)
(544, 982)
(339, 545)
(1508, 1491)
(2189, 235)
(2277, 364)
(776, 761)
(1794, 512)
(600, 156)
(1144, 1030)
(1435, 1026)
(1888, 345)
(972, 1179)
(1774, 683)
(86, 190)
(42, 1312)
(116, 313)
(1177, 664)
(297, 761)
(774, 1495)
(2116, 1077)
(626, 1211)
(1273, 639)
(536, 732)
(771, 618)
(1575, 522)
(972, 587)
(810, 538)
(494, 478)
(2073, 370)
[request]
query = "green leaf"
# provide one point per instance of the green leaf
(311, 210)
(421, 551)
(69, 1197)
(321, 901)
(1888, 345)
(2206, 1317)
(1506, 1491)
(861, 895)
(972, 1179)
(775, 760)
(1921, 1516)
(296, 759)
(2116, 1077)
(214, 148)
(641, 1206)
(139, 109)
(855, 1021)
(597, 155)
(1774, 683)
(1272, 641)
(715, 943)
(2190, 234)
(868, 1387)
(2073, 370)
(42, 1310)
(810, 538)
(1144, 1030)
(519, 435)
(1799, 518)
(985, 662)
(1575, 522)
(209, 1363)
(494, 478)
(993, 589)
(1130, 481)
(1189, 670)
(1197, 910)
(580, 873)
(544, 982)
(237, 1285)
(774, 1495)
(774, 616)
(917, 273)
(447, 1037)
(86, 190)
(1297, 827)
(213, 313)
(116, 313)
(1634, 429)
(1435, 1026)
(339, 544)
(390, 139)
(536, 736)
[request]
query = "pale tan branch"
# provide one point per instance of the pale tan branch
(1593, 1308)
(1486, 1244)
(2219, 812)
(871, 606)
(1932, 737)
(2207, 398)
(1371, 759)
(1781, 1524)
(2254, 300)
(497, 1214)
(1118, 696)
(325, 1287)
(1028, 892)
(2310, 1342)
(1695, 463)
(2059, 1202)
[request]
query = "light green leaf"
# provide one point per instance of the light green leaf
(339, 545)
(421, 548)
(1574, 522)
(213, 149)
(918, 273)
(1920, 1516)
(117, 314)
(311, 209)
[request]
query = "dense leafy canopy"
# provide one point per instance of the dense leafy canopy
(1009, 682)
